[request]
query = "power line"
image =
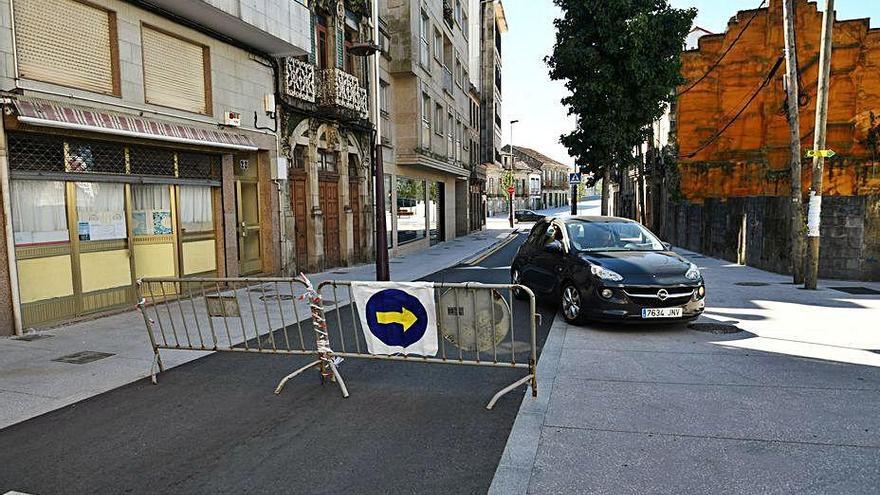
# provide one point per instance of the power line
(741, 110)
(729, 48)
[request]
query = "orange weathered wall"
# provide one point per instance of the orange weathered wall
(751, 157)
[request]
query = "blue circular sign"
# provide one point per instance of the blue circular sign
(396, 318)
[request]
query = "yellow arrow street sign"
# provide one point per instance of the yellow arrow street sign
(821, 153)
(406, 318)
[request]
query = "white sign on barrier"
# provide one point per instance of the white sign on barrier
(398, 318)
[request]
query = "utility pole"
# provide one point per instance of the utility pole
(383, 271)
(574, 194)
(815, 206)
(794, 127)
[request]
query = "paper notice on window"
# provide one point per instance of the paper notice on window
(814, 215)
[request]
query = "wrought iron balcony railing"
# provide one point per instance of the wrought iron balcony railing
(300, 80)
(340, 89)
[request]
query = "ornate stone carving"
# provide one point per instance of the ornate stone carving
(300, 79)
(339, 88)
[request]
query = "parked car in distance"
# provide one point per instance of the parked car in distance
(608, 269)
(527, 216)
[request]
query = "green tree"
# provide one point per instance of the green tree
(621, 63)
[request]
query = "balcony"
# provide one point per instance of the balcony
(299, 80)
(339, 89)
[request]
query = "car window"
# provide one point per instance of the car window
(611, 236)
(536, 234)
(554, 233)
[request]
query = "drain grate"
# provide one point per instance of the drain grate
(83, 357)
(858, 291)
(716, 328)
(751, 284)
(30, 337)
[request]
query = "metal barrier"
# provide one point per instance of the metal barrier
(476, 323)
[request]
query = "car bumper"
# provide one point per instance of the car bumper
(621, 309)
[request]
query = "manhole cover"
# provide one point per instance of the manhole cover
(30, 337)
(261, 288)
(83, 357)
(858, 291)
(270, 298)
(752, 284)
(716, 328)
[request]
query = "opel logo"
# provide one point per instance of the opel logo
(662, 294)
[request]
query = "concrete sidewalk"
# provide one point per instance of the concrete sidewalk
(33, 383)
(788, 405)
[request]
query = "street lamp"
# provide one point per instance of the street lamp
(512, 174)
(367, 49)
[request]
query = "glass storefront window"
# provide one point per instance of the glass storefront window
(38, 212)
(100, 211)
(151, 210)
(412, 218)
(196, 209)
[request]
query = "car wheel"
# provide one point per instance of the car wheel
(516, 279)
(572, 304)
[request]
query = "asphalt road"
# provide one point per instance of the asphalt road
(214, 426)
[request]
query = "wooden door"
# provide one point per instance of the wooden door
(301, 234)
(329, 196)
(355, 199)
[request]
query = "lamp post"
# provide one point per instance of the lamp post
(512, 174)
(366, 50)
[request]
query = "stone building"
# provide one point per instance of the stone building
(326, 137)
(428, 105)
(555, 190)
(138, 140)
(728, 191)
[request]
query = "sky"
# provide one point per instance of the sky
(532, 98)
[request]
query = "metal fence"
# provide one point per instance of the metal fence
(476, 323)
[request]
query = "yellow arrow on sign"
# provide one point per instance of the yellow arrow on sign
(821, 153)
(406, 318)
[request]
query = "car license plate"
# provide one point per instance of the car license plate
(662, 312)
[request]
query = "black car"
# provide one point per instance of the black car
(608, 269)
(527, 216)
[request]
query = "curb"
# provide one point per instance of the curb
(489, 251)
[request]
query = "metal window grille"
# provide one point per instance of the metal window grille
(35, 152)
(151, 161)
(198, 166)
(95, 157)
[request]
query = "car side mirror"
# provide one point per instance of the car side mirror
(554, 247)
(667, 246)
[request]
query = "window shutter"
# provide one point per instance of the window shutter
(174, 72)
(65, 42)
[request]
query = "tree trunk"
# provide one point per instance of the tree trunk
(791, 79)
(606, 190)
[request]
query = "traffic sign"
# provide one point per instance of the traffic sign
(396, 318)
(574, 178)
(821, 153)
(511, 190)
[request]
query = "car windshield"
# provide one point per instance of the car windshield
(611, 236)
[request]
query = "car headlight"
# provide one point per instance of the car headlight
(605, 274)
(693, 273)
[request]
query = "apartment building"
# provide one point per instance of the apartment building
(427, 107)
(555, 189)
(138, 140)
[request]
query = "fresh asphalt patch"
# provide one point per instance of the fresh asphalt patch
(214, 426)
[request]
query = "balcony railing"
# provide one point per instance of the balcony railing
(338, 88)
(300, 80)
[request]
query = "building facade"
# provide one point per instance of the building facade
(137, 141)
(326, 138)
(554, 190)
(725, 190)
(429, 100)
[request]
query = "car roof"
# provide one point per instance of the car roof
(594, 219)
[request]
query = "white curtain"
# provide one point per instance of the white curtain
(38, 212)
(102, 207)
(150, 197)
(196, 208)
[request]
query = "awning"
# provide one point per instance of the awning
(52, 114)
